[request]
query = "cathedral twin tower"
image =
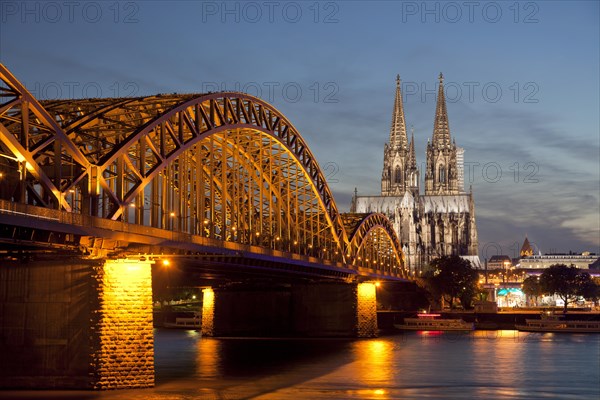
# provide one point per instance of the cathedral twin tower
(400, 171)
(440, 222)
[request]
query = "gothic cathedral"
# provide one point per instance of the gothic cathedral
(440, 222)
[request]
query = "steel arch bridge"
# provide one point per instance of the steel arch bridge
(224, 169)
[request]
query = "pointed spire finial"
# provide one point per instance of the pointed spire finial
(398, 138)
(353, 202)
(411, 151)
(441, 128)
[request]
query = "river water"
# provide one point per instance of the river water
(432, 365)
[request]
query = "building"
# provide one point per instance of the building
(499, 262)
(581, 261)
(440, 222)
(528, 260)
(526, 249)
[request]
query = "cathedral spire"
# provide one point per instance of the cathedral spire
(353, 203)
(411, 151)
(398, 129)
(411, 166)
(441, 129)
(442, 175)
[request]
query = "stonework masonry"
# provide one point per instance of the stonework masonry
(366, 309)
(208, 312)
(122, 331)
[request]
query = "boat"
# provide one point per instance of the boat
(433, 322)
(194, 322)
(557, 323)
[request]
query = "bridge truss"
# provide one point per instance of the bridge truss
(224, 166)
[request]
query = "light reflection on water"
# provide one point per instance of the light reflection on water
(435, 365)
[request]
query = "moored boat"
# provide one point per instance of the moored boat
(433, 322)
(557, 323)
(194, 322)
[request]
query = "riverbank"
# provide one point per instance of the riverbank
(386, 319)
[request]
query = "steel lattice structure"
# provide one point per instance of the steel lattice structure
(228, 166)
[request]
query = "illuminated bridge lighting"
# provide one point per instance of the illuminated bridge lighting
(228, 167)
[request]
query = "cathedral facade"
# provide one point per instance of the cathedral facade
(442, 220)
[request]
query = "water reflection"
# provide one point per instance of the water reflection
(373, 366)
(493, 364)
(208, 359)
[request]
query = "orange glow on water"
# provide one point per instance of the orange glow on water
(376, 366)
(208, 358)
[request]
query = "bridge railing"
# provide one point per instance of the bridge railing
(78, 224)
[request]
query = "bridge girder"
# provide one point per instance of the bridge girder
(223, 165)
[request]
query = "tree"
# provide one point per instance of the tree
(568, 283)
(532, 287)
(588, 287)
(453, 277)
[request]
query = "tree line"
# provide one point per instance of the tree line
(452, 279)
(568, 283)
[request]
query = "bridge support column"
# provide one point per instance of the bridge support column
(122, 331)
(76, 324)
(326, 309)
(208, 312)
(366, 310)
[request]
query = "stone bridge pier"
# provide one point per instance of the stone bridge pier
(76, 324)
(330, 309)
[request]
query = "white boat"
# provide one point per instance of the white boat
(194, 322)
(432, 322)
(557, 323)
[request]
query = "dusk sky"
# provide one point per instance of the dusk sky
(522, 84)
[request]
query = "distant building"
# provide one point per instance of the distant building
(585, 260)
(546, 260)
(499, 262)
(440, 222)
(526, 250)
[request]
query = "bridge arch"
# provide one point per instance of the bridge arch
(192, 163)
(374, 242)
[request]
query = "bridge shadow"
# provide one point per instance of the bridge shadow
(244, 367)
